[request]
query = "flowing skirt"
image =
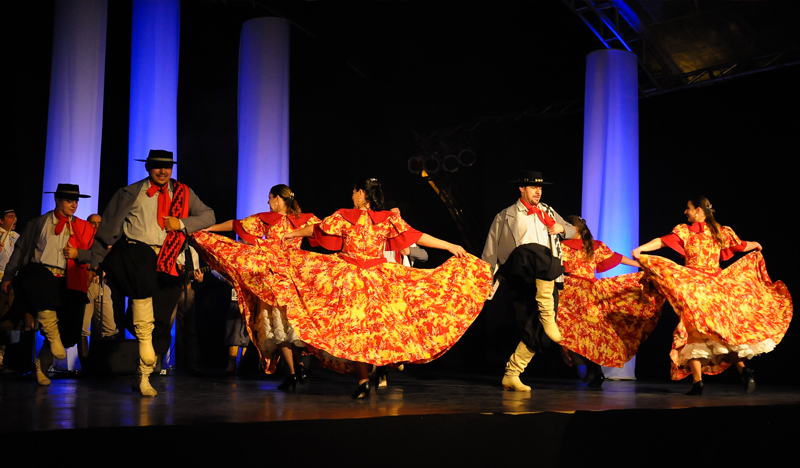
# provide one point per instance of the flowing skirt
(384, 314)
(739, 310)
(607, 320)
(253, 271)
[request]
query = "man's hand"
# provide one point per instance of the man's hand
(406, 251)
(6, 286)
(556, 229)
(198, 276)
(70, 252)
(172, 223)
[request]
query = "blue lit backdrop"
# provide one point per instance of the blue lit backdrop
(155, 37)
(263, 112)
(610, 203)
(75, 113)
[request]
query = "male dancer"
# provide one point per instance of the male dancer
(525, 243)
(147, 223)
(51, 257)
(8, 237)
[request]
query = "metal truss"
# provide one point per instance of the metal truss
(617, 27)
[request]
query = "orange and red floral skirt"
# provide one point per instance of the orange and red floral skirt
(606, 321)
(738, 312)
(386, 313)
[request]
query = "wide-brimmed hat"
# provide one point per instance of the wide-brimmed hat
(69, 192)
(526, 178)
(159, 158)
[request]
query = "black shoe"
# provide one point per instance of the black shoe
(697, 388)
(597, 381)
(301, 373)
(362, 393)
(748, 380)
(289, 381)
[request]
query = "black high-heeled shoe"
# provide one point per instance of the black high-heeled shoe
(597, 381)
(748, 380)
(301, 373)
(697, 388)
(362, 392)
(289, 381)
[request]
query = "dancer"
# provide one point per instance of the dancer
(603, 321)
(255, 269)
(357, 306)
(524, 248)
(727, 315)
(147, 223)
(51, 257)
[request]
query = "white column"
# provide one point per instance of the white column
(263, 112)
(75, 113)
(610, 203)
(155, 41)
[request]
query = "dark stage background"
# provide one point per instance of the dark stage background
(365, 76)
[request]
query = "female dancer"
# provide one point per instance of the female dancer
(603, 321)
(725, 315)
(255, 269)
(356, 306)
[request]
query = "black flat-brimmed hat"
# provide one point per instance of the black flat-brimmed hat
(526, 178)
(6, 210)
(69, 192)
(159, 158)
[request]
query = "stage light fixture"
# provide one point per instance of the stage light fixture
(431, 165)
(415, 165)
(450, 163)
(467, 157)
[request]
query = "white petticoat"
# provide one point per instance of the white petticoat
(716, 352)
(272, 328)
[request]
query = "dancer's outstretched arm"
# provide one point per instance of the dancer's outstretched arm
(434, 243)
(221, 227)
(627, 261)
(654, 244)
(752, 246)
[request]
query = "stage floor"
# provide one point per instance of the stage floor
(78, 403)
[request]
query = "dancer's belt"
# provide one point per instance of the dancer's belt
(363, 263)
(57, 272)
(156, 248)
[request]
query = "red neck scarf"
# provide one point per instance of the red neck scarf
(543, 217)
(62, 221)
(164, 201)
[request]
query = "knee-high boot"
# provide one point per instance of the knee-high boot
(143, 324)
(43, 363)
(142, 381)
(516, 365)
(547, 313)
(49, 321)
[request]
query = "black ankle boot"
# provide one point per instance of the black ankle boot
(697, 388)
(301, 373)
(362, 392)
(748, 380)
(289, 381)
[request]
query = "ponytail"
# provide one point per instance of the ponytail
(586, 235)
(283, 191)
(705, 205)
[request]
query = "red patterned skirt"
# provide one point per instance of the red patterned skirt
(253, 271)
(607, 320)
(739, 310)
(383, 314)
